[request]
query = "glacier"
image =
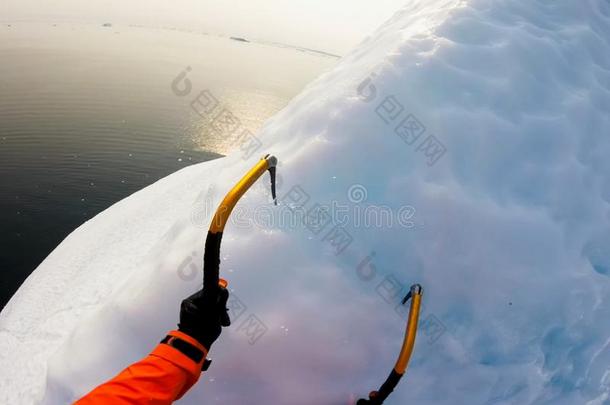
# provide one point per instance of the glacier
(489, 120)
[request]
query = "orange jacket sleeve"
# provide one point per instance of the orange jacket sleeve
(162, 377)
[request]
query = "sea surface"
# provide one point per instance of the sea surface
(91, 113)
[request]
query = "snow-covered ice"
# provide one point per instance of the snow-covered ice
(508, 230)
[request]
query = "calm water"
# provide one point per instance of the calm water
(88, 116)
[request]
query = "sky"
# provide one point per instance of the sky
(331, 26)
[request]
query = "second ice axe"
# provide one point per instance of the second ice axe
(377, 397)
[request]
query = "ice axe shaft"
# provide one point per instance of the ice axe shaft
(377, 397)
(211, 256)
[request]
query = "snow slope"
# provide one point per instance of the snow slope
(508, 230)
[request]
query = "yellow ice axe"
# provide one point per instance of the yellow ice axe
(377, 397)
(211, 257)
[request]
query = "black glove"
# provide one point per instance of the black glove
(202, 316)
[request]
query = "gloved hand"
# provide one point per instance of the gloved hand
(202, 316)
